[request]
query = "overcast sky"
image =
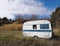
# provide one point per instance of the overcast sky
(39, 7)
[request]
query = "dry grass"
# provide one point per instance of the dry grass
(15, 38)
(12, 27)
(56, 31)
(11, 35)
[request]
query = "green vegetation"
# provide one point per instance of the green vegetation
(55, 20)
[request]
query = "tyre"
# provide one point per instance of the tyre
(35, 36)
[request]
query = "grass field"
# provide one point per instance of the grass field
(15, 38)
(11, 27)
(9, 37)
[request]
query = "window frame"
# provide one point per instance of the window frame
(44, 27)
(34, 26)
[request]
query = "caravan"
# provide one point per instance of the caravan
(37, 28)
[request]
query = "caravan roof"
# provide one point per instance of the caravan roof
(36, 22)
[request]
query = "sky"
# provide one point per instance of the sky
(8, 8)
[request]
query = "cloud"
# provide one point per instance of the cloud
(10, 7)
(30, 7)
(4, 12)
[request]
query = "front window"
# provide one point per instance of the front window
(44, 26)
(34, 26)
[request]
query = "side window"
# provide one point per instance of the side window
(44, 26)
(34, 26)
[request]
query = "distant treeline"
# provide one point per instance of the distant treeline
(5, 20)
(21, 19)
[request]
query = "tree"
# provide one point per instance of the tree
(0, 18)
(55, 17)
(34, 17)
(4, 19)
(0, 22)
(19, 18)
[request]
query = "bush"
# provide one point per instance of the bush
(0, 23)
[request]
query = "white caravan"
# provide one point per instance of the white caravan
(37, 28)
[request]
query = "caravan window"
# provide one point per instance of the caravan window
(34, 26)
(44, 26)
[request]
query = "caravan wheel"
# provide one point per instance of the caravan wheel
(35, 36)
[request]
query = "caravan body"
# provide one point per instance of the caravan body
(39, 28)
